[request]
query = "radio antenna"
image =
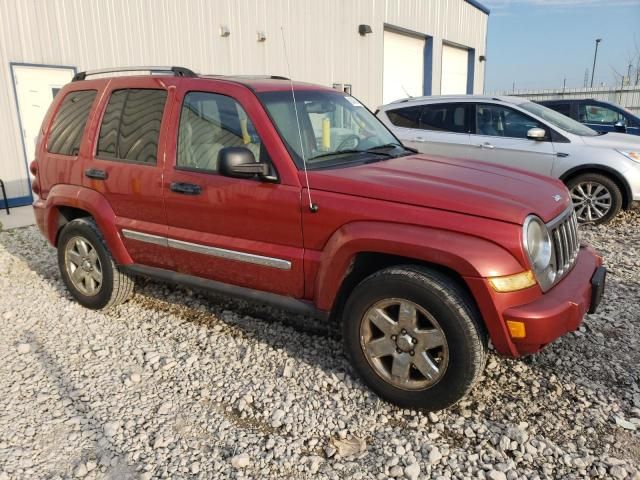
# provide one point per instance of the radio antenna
(312, 206)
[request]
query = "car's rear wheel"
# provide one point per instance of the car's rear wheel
(415, 337)
(88, 269)
(596, 198)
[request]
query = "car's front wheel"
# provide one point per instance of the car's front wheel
(596, 198)
(415, 337)
(87, 268)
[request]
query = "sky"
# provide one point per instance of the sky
(539, 43)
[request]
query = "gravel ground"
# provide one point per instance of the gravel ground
(175, 384)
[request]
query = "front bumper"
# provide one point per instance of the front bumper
(545, 316)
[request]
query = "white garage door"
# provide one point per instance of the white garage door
(403, 66)
(454, 70)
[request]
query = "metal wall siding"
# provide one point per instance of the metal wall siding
(322, 41)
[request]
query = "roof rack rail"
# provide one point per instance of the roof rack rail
(177, 71)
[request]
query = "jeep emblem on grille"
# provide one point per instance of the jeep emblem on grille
(557, 198)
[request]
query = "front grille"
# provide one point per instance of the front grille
(566, 244)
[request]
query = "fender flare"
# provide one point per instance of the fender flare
(467, 255)
(96, 205)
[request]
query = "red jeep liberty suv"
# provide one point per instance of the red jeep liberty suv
(312, 205)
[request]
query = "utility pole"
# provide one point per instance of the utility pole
(595, 56)
(629, 74)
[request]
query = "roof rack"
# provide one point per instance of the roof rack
(177, 71)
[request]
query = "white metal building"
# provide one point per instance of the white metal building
(379, 50)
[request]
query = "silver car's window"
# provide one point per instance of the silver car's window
(558, 120)
(499, 121)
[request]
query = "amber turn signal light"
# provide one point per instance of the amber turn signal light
(516, 329)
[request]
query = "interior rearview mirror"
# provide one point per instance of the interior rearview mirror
(239, 162)
(536, 134)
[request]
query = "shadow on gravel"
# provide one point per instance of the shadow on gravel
(319, 343)
(76, 409)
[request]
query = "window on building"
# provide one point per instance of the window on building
(131, 126)
(599, 114)
(406, 117)
(445, 117)
(208, 123)
(68, 125)
(498, 121)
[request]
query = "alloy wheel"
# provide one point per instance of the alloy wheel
(591, 200)
(404, 344)
(83, 266)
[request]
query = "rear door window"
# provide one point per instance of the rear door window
(405, 117)
(444, 117)
(131, 126)
(69, 123)
(563, 108)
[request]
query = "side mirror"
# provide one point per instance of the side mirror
(620, 127)
(239, 162)
(536, 134)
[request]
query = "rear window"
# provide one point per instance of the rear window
(131, 126)
(68, 125)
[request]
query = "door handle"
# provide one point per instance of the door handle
(420, 139)
(186, 188)
(96, 174)
(485, 145)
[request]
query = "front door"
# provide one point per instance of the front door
(244, 232)
(35, 87)
(501, 137)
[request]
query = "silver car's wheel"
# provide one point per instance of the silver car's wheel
(83, 266)
(597, 198)
(591, 200)
(404, 344)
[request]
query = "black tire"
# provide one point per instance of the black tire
(458, 319)
(116, 287)
(599, 179)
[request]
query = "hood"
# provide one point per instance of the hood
(619, 141)
(464, 186)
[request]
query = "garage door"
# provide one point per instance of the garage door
(403, 66)
(454, 70)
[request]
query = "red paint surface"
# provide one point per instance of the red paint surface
(463, 215)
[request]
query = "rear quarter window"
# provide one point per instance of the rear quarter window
(70, 121)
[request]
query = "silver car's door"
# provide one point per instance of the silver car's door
(501, 137)
(434, 129)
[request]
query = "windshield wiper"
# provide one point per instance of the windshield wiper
(391, 145)
(340, 152)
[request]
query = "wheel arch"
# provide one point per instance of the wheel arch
(625, 188)
(69, 202)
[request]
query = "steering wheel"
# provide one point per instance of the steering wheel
(349, 142)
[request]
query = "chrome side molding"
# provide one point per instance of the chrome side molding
(208, 250)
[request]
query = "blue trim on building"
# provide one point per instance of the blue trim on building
(24, 147)
(479, 6)
(16, 202)
(427, 76)
(471, 64)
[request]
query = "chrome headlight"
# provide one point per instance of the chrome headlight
(537, 244)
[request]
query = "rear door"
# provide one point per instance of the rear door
(501, 137)
(434, 128)
(244, 232)
(126, 165)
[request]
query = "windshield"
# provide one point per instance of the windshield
(559, 120)
(335, 128)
